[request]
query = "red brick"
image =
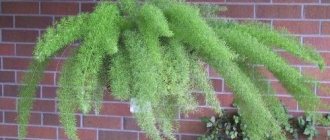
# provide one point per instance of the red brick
(317, 74)
(325, 105)
(298, 27)
(265, 72)
(325, 28)
(199, 113)
(23, 64)
(8, 130)
(11, 117)
(42, 132)
(117, 135)
(319, 43)
(187, 137)
(251, 1)
(24, 49)
(33, 21)
(102, 122)
(7, 104)
(19, 35)
(1, 117)
(55, 65)
(59, 8)
(192, 127)
(326, 57)
(289, 102)
(278, 11)
(20, 7)
(238, 11)
(205, 0)
(278, 88)
(15, 63)
(49, 92)
(323, 89)
(291, 59)
(226, 100)
(323, 133)
(12, 91)
(87, 7)
(295, 1)
(44, 105)
(143, 136)
(50, 119)
(325, 1)
(131, 124)
(83, 134)
(317, 12)
(7, 49)
(217, 84)
(48, 78)
(6, 21)
(7, 76)
(117, 109)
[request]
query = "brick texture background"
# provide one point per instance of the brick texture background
(21, 22)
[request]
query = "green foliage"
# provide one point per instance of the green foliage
(230, 126)
(28, 92)
(266, 35)
(152, 53)
(65, 32)
(257, 53)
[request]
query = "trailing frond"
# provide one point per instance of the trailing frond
(89, 61)
(270, 37)
(147, 121)
(177, 73)
(166, 112)
(187, 25)
(66, 93)
(105, 27)
(143, 70)
(120, 75)
(258, 53)
(66, 31)
(28, 92)
(152, 21)
(151, 29)
(200, 79)
(268, 94)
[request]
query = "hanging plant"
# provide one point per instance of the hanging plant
(153, 52)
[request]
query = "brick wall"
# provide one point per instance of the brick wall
(21, 22)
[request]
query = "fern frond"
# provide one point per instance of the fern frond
(65, 32)
(202, 82)
(88, 66)
(176, 64)
(104, 27)
(268, 94)
(120, 75)
(258, 53)
(187, 25)
(151, 20)
(28, 92)
(147, 121)
(271, 37)
(166, 112)
(66, 93)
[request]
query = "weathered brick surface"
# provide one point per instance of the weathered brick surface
(23, 21)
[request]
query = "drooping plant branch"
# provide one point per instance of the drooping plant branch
(152, 52)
